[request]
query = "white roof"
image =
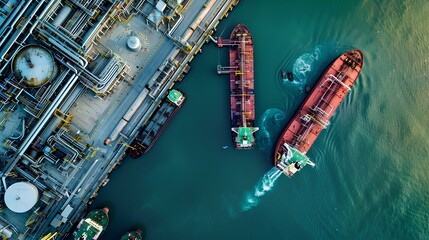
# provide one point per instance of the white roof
(133, 42)
(21, 197)
(161, 5)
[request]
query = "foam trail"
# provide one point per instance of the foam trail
(263, 186)
(272, 121)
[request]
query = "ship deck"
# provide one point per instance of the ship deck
(242, 98)
(152, 129)
(317, 109)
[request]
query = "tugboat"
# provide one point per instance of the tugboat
(91, 227)
(241, 83)
(316, 110)
(133, 235)
(286, 75)
(156, 125)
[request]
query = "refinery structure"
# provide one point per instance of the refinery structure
(78, 80)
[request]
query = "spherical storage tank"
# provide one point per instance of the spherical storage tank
(34, 65)
(21, 197)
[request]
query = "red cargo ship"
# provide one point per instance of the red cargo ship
(241, 86)
(314, 114)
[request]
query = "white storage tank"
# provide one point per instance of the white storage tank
(133, 43)
(21, 197)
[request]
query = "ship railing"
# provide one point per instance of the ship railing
(321, 114)
(318, 120)
(324, 101)
(339, 80)
(303, 131)
(319, 111)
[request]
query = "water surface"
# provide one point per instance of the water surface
(371, 179)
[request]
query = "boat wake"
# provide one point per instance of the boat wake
(273, 120)
(303, 66)
(263, 186)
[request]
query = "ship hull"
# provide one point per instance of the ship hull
(134, 235)
(153, 129)
(242, 98)
(93, 225)
(319, 106)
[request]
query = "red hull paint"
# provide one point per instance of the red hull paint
(319, 106)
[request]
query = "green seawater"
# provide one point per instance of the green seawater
(371, 180)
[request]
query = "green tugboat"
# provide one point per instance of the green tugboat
(134, 235)
(91, 227)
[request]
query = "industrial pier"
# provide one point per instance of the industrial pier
(78, 78)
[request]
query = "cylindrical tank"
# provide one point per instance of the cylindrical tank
(34, 66)
(133, 43)
(21, 197)
(61, 16)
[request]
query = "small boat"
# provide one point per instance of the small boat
(283, 74)
(289, 76)
(286, 75)
(93, 225)
(133, 235)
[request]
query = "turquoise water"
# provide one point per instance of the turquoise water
(371, 180)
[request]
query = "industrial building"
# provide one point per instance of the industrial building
(74, 73)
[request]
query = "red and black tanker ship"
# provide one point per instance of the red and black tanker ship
(314, 113)
(241, 77)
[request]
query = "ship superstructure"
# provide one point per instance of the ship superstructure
(93, 225)
(241, 83)
(314, 113)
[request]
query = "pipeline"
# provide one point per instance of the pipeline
(77, 27)
(76, 58)
(38, 127)
(62, 133)
(29, 177)
(198, 20)
(54, 140)
(21, 29)
(60, 34)
(95, 28)
(48, 94)
(16, 18)
(95, 82)
(87, 11)
(127, 116)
